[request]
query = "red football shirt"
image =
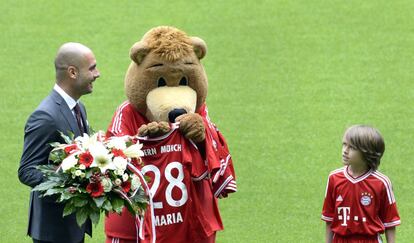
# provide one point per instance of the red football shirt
(364, 205)
(219, 160)
(126, 121)
(172, 162)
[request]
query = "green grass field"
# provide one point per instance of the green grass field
(285, 80)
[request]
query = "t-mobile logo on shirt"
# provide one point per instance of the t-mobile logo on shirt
(343, 214)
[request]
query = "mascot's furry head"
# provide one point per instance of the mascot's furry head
(165, 78)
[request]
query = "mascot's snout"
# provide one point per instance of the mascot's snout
(167, 103)
(175, 113)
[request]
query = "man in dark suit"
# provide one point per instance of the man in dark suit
(76, 70)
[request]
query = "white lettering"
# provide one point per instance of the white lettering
(163, 220)
(167, 219)
(179, 218)
(345, 214)
(157, 220)
(171, 148)
(149, 152)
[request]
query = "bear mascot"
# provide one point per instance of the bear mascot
(166, 89)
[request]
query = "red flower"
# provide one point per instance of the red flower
(70, 148)
(95, 189)
(118, 153)
(86, 159)
(126, 186)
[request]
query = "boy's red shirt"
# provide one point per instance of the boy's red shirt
(359, 206)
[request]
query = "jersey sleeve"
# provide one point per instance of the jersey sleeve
(388, 212)
(219, 162)
(328, 209)
(124, 121)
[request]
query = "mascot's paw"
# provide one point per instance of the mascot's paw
(154, 129)
(192, 127)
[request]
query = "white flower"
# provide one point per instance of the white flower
(134, 151)
(78, 173)
(69, 162)
(117, 143)
(83, 175)
(85, 141)
(125, 177)
(120, 163)
(118, 182)
(135, 182)
(107, 184)
(82, 166)
(101, 157)
(119, 171)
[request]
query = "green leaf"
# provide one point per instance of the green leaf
(140, 197)
(53, 191)
(69, 209)
(57, 155)
(80, 202)
(91, 171)
(107, 206)
(48, 169)
(95, 217)
(55, 144)
(68, 139)
(65, 196)
(44, 186)
(99, 201)
(81, 216)
(117, 204)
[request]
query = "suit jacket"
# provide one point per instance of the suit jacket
(46, 222)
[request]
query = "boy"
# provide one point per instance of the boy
(359, 202)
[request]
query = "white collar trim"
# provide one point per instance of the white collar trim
(359, 178)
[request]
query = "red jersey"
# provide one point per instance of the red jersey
(219, 160)
(172, 162)
(359, 206)
(126, 121)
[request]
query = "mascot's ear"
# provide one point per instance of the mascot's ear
(138, 52)
(200, 47)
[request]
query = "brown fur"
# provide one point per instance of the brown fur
(168, 43)
(171, 54)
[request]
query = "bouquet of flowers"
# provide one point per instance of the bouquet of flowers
(94, 174)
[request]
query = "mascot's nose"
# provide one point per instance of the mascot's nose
(175, 113)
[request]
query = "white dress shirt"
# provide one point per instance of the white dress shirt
(69, 100)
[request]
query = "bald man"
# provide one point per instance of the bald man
(62, 111)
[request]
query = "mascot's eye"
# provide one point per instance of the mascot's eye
(183, 81)
(161, 82)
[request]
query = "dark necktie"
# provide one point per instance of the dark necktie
(78, 116)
